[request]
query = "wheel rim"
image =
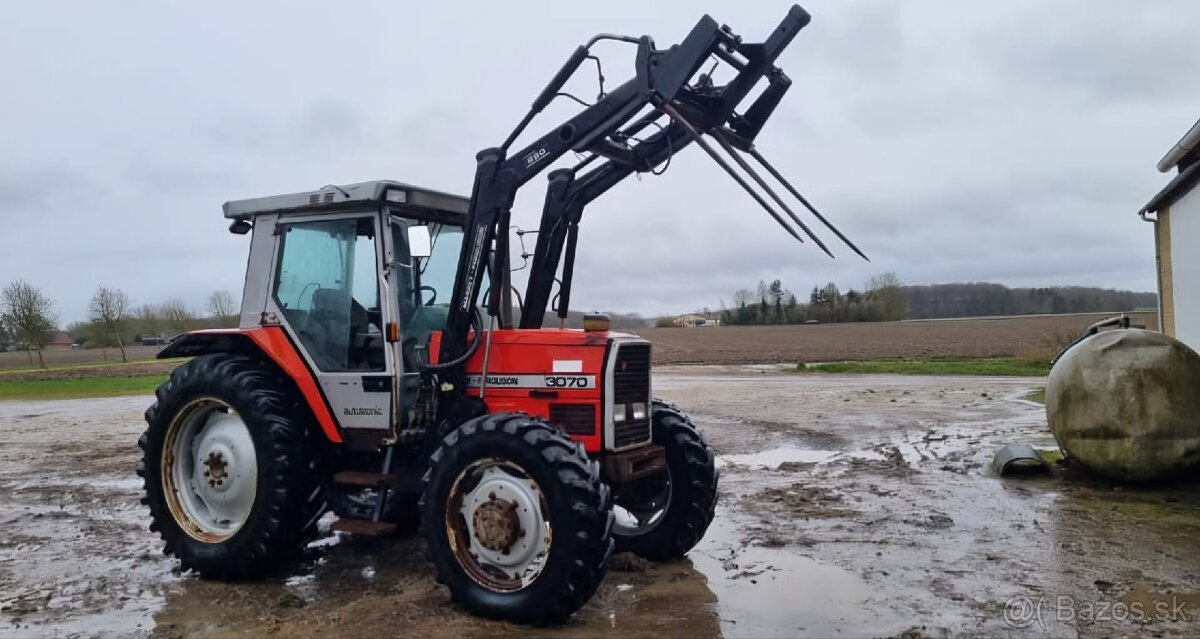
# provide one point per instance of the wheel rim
(209, 470)
(632, 517)
(497, 524)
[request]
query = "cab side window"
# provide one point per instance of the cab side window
(327, 285)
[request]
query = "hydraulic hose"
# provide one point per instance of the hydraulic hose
(477, 322)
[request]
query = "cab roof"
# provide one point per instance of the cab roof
(338, 198)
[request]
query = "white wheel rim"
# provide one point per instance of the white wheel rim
(210, 470)
(631, 522)
(498, 526)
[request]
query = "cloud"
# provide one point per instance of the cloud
(952, 141)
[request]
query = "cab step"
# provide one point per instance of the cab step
(364, 527)
(360, 478)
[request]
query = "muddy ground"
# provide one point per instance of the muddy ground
(850, 506)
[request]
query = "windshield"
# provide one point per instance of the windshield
(438, 270)
(426, 284)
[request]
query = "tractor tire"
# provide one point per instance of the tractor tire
(690, 493)
(225, 421)
(516, 519)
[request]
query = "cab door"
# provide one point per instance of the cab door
(326, 289)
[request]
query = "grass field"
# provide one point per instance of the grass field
(79, 387)
(998, 367)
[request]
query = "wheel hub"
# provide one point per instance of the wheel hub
(496, 524)
(216, 468)
(503, 534)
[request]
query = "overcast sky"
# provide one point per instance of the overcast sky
(953, 141)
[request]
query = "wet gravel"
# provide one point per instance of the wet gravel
(850, 506)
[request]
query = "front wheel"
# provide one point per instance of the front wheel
(516, 519)
(663, 516)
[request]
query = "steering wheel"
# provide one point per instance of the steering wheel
(432, 298)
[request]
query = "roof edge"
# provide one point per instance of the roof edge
(1188, 142)
(1173, 191)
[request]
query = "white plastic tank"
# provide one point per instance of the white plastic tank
(1126, 403)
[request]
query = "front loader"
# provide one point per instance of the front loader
(378, 372)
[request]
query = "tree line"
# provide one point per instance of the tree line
(882, 299)
(975, 299)
(886, 298)
(28, 320)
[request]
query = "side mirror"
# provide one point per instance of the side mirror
(419, 244)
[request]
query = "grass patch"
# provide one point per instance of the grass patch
(1038, 396)
(1000, 367)
(80, 387)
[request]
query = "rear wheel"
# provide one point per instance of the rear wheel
(230, 474)
(663, 516)
(516, 519)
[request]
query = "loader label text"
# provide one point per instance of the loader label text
(534, 380)
(533, 158)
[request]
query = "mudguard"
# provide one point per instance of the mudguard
(275, 344)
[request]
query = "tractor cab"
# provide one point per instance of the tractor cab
(359, 277)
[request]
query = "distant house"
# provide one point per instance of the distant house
(1175, 212)
(59, 341)
(692, 320)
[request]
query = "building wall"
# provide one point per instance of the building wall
(1166, 299)
(1185, 268)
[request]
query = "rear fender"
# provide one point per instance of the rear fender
(256, 342)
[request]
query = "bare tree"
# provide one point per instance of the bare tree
(888, 292)
(178, 316)
(110, 309)
(223, 308)
(28, 317)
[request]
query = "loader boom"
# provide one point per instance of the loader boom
(667, 86)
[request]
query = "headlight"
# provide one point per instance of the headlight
(619, 413)
(639, 411)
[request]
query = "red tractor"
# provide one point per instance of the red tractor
(365, 379)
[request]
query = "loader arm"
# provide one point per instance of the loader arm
(666, 86)
(567, 195)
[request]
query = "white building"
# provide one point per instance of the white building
(1175, 211)
(692, 320)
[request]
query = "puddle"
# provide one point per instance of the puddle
(774, 458)
(773, 592)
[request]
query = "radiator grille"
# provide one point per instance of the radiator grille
(631, 433)
(631, 374)
(631, 384)
(575, 419)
